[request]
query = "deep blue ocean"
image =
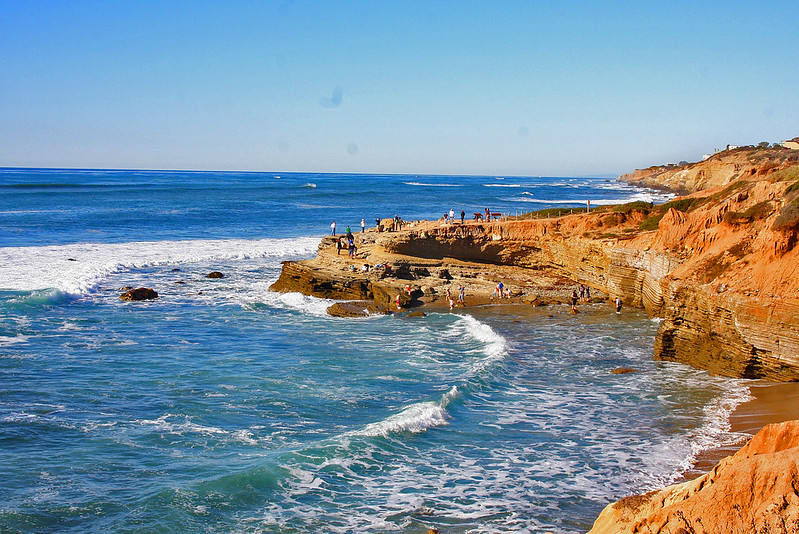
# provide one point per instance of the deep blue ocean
(224, 407)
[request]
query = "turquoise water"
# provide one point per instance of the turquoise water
(224, 407)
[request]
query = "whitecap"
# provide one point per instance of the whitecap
(431, 185)
(415, 418)
(78, 269)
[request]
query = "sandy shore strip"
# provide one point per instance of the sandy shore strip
(772, 402)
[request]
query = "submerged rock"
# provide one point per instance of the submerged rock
(215, 274)
(142, 293)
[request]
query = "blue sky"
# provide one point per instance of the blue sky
(461, 87)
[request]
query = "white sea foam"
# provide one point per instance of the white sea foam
(297, 301)
(503, 185)
(635, 197)
(415, 418)
(422, 416)
(13, 340)
(715, 431)
(78, 269)
(431, 185)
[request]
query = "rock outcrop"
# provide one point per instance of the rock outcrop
(142, 293)
(720, 267)
(756, 490)
(719, 170)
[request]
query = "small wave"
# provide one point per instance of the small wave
(715, 431)
(431, 185)
(414, 419)
(5, 341)
(180, 425)
(310, 185)
(503, 185)
(496, 347)
(638, 197)
(304, 304)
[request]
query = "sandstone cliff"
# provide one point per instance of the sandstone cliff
(754, 491)
(719, 170)
(721, 267)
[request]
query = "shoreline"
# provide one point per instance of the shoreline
(772, 402)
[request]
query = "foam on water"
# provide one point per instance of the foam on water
(652, 197)
(431, 184)
(78, 269)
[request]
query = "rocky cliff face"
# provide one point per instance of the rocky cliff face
(719, 170)
(721, 267)
(755, 490)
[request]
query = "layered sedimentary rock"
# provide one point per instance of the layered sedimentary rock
(755, 490)
(720, 267)
(719, 170)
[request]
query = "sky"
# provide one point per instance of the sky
(523, 88)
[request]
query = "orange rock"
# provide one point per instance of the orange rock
(755, 490)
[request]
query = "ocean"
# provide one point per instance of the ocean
(225, 407)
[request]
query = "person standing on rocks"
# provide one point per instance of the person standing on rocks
(575, 298)
(338, 246)
(618, 305)
(363, 225)
(333, 228)
(463, 215)
(462, 295)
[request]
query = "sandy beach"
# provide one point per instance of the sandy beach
(772, 402)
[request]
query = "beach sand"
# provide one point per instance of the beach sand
(772, 402)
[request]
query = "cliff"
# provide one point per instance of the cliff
(755, 490)
(720, 267)
(719, 170)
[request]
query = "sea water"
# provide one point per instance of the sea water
(225, 407)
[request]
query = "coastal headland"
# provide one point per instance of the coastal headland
(720, 266)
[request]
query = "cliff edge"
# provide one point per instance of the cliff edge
(755, 490)
(719, 266)
(719, 170)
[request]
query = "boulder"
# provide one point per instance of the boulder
(350, 309)
(215, 274)
(142, 293)
(752, 491)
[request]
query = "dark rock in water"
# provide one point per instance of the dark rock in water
(126, 288)
(142, 293)
(71, 259)
(623, 371)
(354, 309)
(180, 282)
(215, 274)
(416, 313)
(175, 270)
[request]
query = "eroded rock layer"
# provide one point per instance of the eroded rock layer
(755, 490)
(720, 267)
